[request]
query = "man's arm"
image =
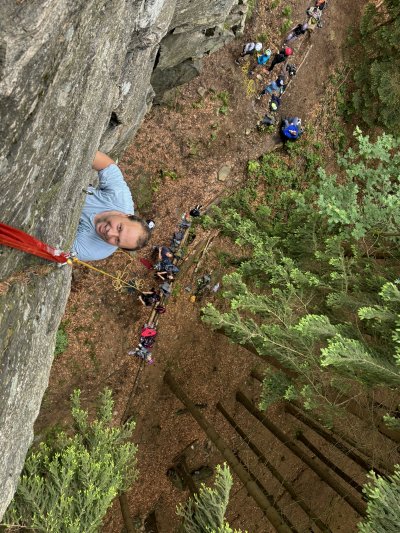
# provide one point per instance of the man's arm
(101, 161)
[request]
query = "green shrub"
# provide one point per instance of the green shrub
(383, 512)
(69, 482)
(61, 340)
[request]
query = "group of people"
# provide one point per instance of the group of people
(290, 127)
(166, 269)
(108, 221)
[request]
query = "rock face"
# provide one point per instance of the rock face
(75, 75)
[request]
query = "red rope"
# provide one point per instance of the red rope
(15, 238)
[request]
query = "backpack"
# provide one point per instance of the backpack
(148, 332)
(291, 69)
(195, 212)
(274, 103)
(263, 59)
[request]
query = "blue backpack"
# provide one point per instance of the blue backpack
(263, 59)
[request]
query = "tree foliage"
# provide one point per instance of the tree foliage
(68, 484)
(205, 511)
(309, 290)
(383, 509)
(366, 200)
(377, 71)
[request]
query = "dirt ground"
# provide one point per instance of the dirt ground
(172, 165)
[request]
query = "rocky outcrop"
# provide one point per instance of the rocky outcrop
(75, 75)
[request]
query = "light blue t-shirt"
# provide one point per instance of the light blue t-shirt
(112, 194)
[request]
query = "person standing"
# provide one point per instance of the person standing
(281, 56)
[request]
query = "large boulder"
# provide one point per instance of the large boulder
(74, 75)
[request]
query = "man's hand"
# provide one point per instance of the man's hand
(101, 161)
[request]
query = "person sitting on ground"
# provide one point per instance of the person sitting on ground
(176, 240)
(294, 33)
(107, 221)
(185, 221)
(165, 255)
(281, 56)
(249, 49)
(142, 352)
(314, 14)
(275, 86)
(149, 298)
(291, 128)
(262, 60)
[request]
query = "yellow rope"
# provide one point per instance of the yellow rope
(126, 253)
(118, 281)
(249, 84)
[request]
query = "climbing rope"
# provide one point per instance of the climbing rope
(119, 280)
(18, 239)
(249, 83)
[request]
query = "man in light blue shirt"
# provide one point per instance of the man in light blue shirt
(107, 221)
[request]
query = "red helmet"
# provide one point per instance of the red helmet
(288, 51)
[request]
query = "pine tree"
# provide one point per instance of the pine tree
(306, 291)
(383, 511)
(68, 484)
(377, 70)
(205, 511)
(366, 199)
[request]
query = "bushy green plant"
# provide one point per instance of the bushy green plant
(383, 511)
(68, 484)
(205, 511)
(224, 98)
(366, 198)
(377, 68)
(309, 291)
(61, 340)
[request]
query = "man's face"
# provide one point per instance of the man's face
(118, 230)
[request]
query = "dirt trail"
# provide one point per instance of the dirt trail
(191, 141)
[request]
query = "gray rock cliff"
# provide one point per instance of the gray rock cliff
(75, 75)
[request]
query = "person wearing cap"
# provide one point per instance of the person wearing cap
(249, 49)
(280, 57)
(291, 128)
(298, 30)
(107, 221)
(262, 59)
(275, 86)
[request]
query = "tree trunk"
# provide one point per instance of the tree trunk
(349, 404)
(322, 472)
(123, 501)
(267, 494)
(288, 487)
(330, 464)
(332, 437)
(227, 453)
